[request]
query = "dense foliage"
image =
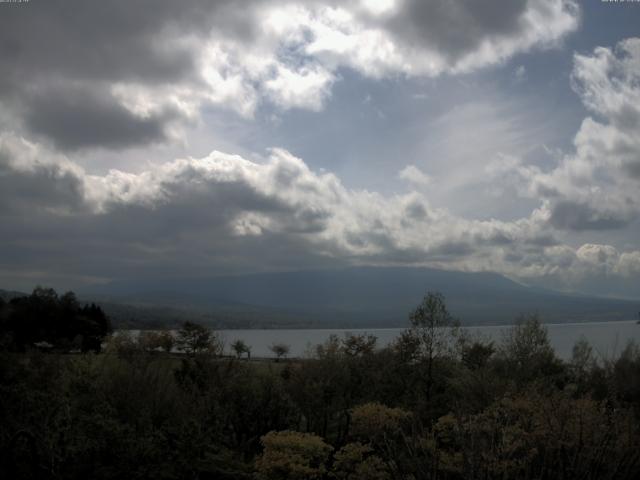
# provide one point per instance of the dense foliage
(436, 404)
(48, 321)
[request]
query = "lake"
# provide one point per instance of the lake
(607, 338)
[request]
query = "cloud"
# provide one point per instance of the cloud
(224, 213)
(602, 256)
(414, 175)
(81, 117)
(30, 183)
(579, 216)
(520, 73)
(121, 74)
(595, 187)
(126, 72)
(461, 36)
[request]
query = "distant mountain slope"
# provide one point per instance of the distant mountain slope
(7, 295)
(364, 296)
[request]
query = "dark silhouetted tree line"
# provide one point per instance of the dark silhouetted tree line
(435, 404)
(46, 320)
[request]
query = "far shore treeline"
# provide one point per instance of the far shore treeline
(435, 404)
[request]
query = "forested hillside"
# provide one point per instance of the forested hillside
(436, 404)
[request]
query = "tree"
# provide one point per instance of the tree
(44, 317)
(152, 341)
(194, 338)
(359, 345)
(377, 423)
(476, 355)
(532, 435)
(5, 335)
(123, 343)
(433, 330)
(385, 429)
(149, 340)
(330, 348)
(291, 455)
(93, 325)
(280, 350)
(166, 341)
(582, 360)
(527, 352)
(240, 348)
(356, 461)
(625, 373)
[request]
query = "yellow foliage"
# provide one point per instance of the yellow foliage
(292, 455)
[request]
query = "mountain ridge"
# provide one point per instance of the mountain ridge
(355, 297)
(372, 296)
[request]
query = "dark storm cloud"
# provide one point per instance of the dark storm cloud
(456, 28)
(220, 212)
(576, 216)
(49, 225)
(139, 243)
(88, 46)
(76, 117)
(115, 40)
(46, 186)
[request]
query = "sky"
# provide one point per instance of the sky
(200, 138)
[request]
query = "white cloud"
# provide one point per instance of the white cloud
(602, 256)
(208, 213)
(629, 264)
(414, 175)
(595, 187)
(166, 62)
(305, 88)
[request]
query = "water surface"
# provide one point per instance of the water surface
(608, 339)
